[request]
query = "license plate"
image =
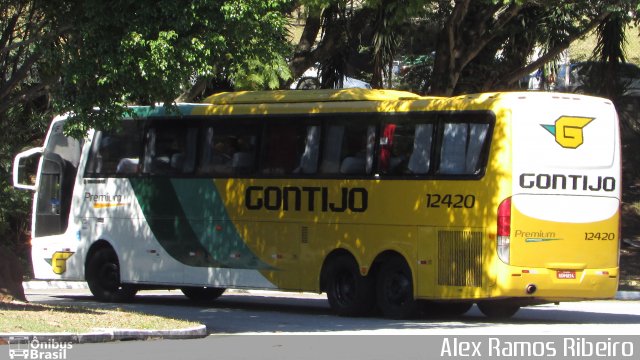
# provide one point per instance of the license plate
(566, 274)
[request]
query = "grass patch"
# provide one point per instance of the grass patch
(37, 318)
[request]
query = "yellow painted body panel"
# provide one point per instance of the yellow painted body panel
(553, 245)
(397, 219)
(589, 284)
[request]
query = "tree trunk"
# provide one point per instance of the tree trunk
(10, 277)
(303, 57)
(456, 49)
(445, 75)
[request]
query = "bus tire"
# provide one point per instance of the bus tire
(103, 277)
(394, 289)
(202, 294)
(497, 309)
(348, 292)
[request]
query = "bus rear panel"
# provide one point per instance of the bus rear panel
(559, 238)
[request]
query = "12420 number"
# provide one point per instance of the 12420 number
(455, 201)
(599, 236)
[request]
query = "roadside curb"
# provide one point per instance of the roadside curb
(111, 335)
(99, 336)
(54, 284)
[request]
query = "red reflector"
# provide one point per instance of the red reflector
(504, 217)
(525, 271)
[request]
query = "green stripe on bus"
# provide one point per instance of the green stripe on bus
(160, 111)
(189, 220)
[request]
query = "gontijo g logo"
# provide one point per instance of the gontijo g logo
(568, 130)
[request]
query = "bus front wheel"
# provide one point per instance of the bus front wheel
(498, 309)
(348, 292)
(202, 294)
(395, 290)
(103, 277)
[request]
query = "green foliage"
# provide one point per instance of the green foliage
(479, 45)
(92, 58)
(415, 76)
(151, 51)
(21, 126)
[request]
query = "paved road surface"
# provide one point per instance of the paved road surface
(281, 316)
(271, 312)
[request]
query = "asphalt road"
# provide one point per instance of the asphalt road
(262, 312)
(281, 316)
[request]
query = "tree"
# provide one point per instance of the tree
(387, 32)
(92, 58)
(154, 51)
(333, 37)
(601, 74)
(481, 44)
(25, 40)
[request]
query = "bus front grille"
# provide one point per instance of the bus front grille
(460, 258)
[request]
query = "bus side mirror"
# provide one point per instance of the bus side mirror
(25, 166)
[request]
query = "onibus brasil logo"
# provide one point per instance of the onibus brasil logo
(568, 130)
(27, 348)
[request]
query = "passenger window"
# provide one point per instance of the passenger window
(291, 149)
(115, 152)
(348, 149)
(170, 150)
(405, 149)
(462, 147)
(228, 150)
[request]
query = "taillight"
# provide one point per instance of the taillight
(504, 230)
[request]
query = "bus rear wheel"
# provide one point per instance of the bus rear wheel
(395, 290)
(103, 277)
(348, 292)
(498, 309)
(202, 294)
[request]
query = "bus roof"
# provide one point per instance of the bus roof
(301, 96)
(296, 101)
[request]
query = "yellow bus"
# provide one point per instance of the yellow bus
(387, 201)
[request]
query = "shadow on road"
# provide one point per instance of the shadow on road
(236, 313)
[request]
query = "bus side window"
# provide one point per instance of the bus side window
(348, 149)
(290, 149)
(420, 159)
(309, 157)
(405, 149)
(170, 150)
(332, 149)
(462, 146)
(228, 150)
(115, 152)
